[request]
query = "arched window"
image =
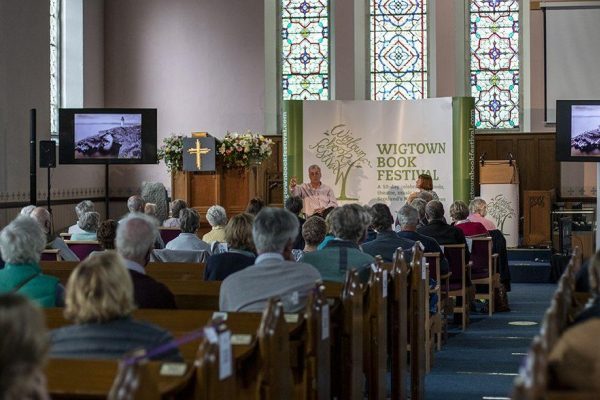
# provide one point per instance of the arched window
(398, 47)
(54, 66)
(495, 63)
(305, 49)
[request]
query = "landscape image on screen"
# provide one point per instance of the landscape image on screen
(108, 136)
(585, 130)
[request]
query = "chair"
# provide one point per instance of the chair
(83, 248)
(187, 256)
(484, 269)
(65, 235)
(168, 234)
(455, 253)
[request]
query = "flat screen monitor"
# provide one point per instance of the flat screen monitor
(107, 136)
(578, 130)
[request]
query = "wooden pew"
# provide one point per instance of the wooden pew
(398, 324)
(159, 271)
(534, 381)
(419, 291)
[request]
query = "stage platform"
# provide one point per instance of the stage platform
(530, 265)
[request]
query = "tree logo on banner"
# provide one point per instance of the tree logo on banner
(501, 209)
(340, 152)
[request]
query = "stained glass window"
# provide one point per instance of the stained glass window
(398, 49)
(54, 66)
(495, 63)
(305, 49)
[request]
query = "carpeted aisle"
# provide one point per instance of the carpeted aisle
(482, 362)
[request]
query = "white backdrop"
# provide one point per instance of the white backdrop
(376, 149)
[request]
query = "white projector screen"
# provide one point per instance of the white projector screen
(572, 56)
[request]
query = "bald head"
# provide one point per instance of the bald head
(42, 216)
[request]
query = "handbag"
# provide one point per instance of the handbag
(500, 299)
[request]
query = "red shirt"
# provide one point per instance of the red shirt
(470, 228)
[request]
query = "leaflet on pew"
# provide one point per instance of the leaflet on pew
(374, 151)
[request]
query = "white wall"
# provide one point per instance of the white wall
(200, 63)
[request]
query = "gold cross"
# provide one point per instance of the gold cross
(198, 151)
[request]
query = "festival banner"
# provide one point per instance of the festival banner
(373, 151)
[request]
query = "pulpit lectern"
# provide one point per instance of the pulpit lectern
(202, 188)
(499, 181)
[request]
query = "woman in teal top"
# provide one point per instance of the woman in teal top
(21, 243)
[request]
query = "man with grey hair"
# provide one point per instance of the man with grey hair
(135, 241)
(217, 218)
(318, 198)
(386, 242)
(81, 208)
(408, 219)
(43, 218)
(420, 205)
(135, 203)
(273, 274)
(187, 239)
(348, 224)
(438, 228)
(21, 243)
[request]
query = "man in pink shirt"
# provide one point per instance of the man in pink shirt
(478, 211)
(318, 197)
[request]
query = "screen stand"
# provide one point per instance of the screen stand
(106, 194)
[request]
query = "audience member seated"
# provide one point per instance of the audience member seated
(106, 234)
(313, 233)
(135, 204)
(99, 303)
(80, 209)
(21, 243)
(348, 225)
(42, 217)
(217, 218)
(459, 212)
(189, 219)
(424, 184)
(26, 211)
(240, 249)
(135, 241)
(408, 218)
(438, 228)
(420, 205)
(294, 205)
(88, 223)
(328, 236)
(387, 241)
(23, 349)
(273, 275)
(478, 211)
(176, 206)
(255, 205)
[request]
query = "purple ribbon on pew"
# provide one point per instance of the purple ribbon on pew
(164, 348)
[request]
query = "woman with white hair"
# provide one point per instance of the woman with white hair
(99, 302)
(478, 211)
(88, 223)
(80, 209)
(23, 349)
(217, 218)
(176, 206)
(21, 244)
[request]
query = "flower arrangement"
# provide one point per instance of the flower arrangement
(242, 150)
(172, 153)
